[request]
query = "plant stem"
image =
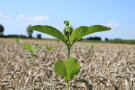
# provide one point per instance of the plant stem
(68, 51)
(68, 86)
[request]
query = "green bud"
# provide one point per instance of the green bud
(66, 23)
(69, 29)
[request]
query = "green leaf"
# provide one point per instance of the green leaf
(29, 47)
(85, 30)
(48, 30)
(67, 69)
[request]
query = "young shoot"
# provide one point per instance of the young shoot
(69, 68)
(32, 49)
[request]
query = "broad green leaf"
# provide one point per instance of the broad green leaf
(67, 69)
(28, 47)
(85, 30)
(48, 30)
(60, 68)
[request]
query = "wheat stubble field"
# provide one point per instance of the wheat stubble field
(103, 66)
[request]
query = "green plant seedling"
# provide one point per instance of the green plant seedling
(70, 35)
(49, 47)
(37, 47)
(18, 40)
(29, 47)
(32, 48)
(67, 69)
